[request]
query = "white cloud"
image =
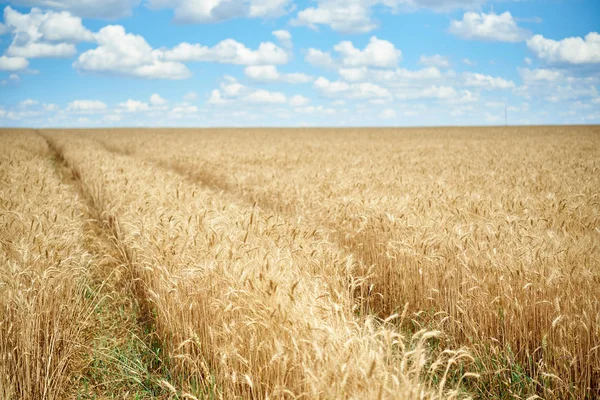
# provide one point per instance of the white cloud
(350, 90)
(126, 54)
(269, 8)
(436, 60)
(216, 98)
(469, 62)
(190, 96)
(133, 106)
(486, 81)
(51, 107)
(344, 16)
(157, 101)
(354, 74)
(401, 74)
(228, 51)
(404, 84)
(284, 38)
(462, 97)
(194, 11)
(13, 63)
(28, 103)
(184, 108)
(232, 91)
(355, 16)
(391, 77)
(319, 58)
(299, 101)
(38, 33)
(435, 5)
(572, 50)
(440, 92)
(488, 27)
(42, 50)
(265, 97)
(86, 106)
(540, 74)
(63, 27)
(269, 73)
(388, 113)
(108, 9)
(12, 79)
(528, 61)
(555, 85)
(378, 53)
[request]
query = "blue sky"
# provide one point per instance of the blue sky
(78, 63)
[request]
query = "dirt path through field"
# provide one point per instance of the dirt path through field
(124, 361)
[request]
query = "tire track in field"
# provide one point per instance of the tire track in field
(366, 294)
(123, 362)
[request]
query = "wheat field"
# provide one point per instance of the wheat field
(300, 263)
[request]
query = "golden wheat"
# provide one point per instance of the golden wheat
(43, 276)
(243, 300)
(358, 263)
(490, 235)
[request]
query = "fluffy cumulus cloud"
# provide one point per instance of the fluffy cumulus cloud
(44, 33)
(184, 108)
(556, 85)
(488, 27)
(299, 101)
(266, 97)
(284, 37)
(127, 54)
(233, 92)
(133, 106)
(269, 73)
(572, 50)
(157, 100)
(318, 58)
(363, 90)
(228, 51)
(108, 9)
(355, 16)
(540, 75)
(210, 11)
(377, 53)
(13, 63)
(421, 84)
